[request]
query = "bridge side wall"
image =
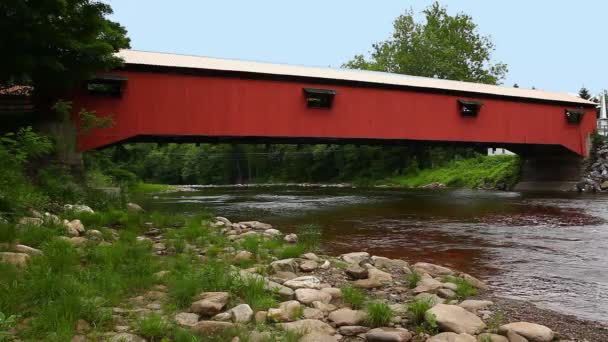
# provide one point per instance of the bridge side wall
(172, 104)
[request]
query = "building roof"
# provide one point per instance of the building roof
(134, 57)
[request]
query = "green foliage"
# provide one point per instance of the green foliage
(6, 323)
(413, 278)
(464, 288)
(153, 327)
(75, 39)
(476, 172)
(379, 314)
(252, 291)
(442, 46)
(8, 233)
(291, 251)
(90, 121)
(353, 296)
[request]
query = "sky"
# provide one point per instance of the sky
(551, 45)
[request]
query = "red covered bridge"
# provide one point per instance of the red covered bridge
(166, 97)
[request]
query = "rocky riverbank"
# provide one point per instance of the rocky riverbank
(595, 177)
(262, 285)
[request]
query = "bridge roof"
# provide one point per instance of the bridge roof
(166, 60)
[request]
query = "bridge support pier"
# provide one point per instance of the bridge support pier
(550, 170)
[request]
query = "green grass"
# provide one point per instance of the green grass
(153, 327)
(467, 173)
(464, 289)
(291, 251)
(417, 310)
(252, 292)
(495, 322)
(354, 296)
(309, 237)
(379, 314)
(413, 278)
(149, 188)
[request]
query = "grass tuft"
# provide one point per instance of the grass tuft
(413, 278)
(379, 314)
(354, 296)
(153, 327)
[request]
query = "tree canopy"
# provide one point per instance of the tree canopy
(441, 46)
(52, 45)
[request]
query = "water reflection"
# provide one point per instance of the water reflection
(547, 249)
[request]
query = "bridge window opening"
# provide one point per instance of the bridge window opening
(106, 85)
(319, 98)
(574, 116)
(469, 108)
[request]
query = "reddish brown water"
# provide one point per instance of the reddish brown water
(549, 249)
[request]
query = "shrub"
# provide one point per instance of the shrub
(354, 296)
(379, 314)
(413, 278)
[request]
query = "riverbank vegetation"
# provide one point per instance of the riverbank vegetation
(492, 172)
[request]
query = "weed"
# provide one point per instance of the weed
(379, 314)
(413, 278)
(183, 335)
(6, 323)
(153, 327)
(495, 322)
(8, 233)
(291, 251)
(354, 296)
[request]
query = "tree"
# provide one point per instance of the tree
(52, 45)
(516, 85)
(584, 93)
(442, 46)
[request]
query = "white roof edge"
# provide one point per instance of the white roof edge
(197, 62)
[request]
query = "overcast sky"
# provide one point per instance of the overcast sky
(549, 44)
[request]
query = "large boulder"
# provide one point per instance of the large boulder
(31, 221)
(308, 296)
(305, 282)
(487, 337)
(285, 265)
(309, 326)
(375, 278)
(388, 335)
(432, 269)
(355, 257)
(386, 263)
(531, 331)
(78, 208)
(308, 265)
(210, 303)
(17, 259)
(134, 207)
(452, 337)
(453, 318)
(74, 227)
(356, 272)
(474, 281)
(186, 319)
(286, 312)
(318, 337)
(427, 284)
(473, 306)
(241, 313)
(347, 317)
(27, 250)
(206, 328)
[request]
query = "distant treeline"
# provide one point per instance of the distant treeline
(236, 163)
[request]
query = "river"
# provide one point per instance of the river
(551, 250)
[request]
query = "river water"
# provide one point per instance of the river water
(551, 250)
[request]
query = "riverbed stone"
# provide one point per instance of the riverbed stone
(286, 312)
(347, 316)
(30, 221)
(241, 313)
(74, 228)
(355, 257)
(308, 325)
(386, 263)
(531, 331)
(453, 318)
(308, 296)
(27, 250)
(126, 337)
(388, 335)
(223, 220)
(446, 293)
(375, 278)
(334, 292)
(311, 256)
(186, 319)
(272, 232)
(356, 272)
(308, 265)
(134, 207)
(17, 259)
(474, 281)
(318, 337)
(452, 337)
(210, 303)
(352, 330)
(305, 282)
(432, 298)
(432, 269)
(323, 306)
(474, 306)
(205, 328)
(290, 238)
(312, 313)
(284, 265)
(242, 256)
(78, 208)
